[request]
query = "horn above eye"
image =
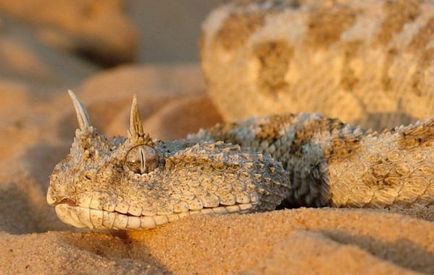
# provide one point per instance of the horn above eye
(136, 128)
(82, 115)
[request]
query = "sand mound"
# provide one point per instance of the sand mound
(68, 253)
(304, 240)
(99, 30)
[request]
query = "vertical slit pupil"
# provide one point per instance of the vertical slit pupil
(142, 160)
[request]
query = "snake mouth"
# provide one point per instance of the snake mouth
(71, 213)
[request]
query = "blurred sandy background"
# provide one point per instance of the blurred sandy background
(169, 30)
(107, 51)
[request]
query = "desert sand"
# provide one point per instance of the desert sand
(37, 124)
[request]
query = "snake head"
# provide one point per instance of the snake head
(99, 173)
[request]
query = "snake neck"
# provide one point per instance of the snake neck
(331, 163)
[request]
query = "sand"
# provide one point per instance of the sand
(98, 30)
(37, 125)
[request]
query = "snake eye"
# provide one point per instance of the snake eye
(142, 159)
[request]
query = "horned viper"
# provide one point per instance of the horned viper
(255, 165)
(369, 62)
